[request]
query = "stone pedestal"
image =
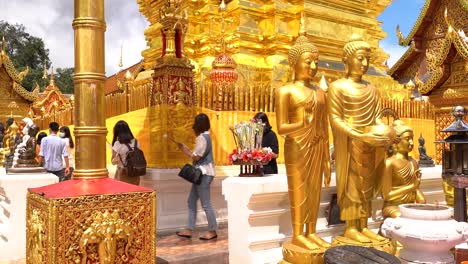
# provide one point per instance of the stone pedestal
(259, 218)
(13, 190)
(173, 192)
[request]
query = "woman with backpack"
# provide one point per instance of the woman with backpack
(202, 157)
(122, 142)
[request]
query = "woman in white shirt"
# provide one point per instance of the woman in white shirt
(122, 140)
(64, 134)
(202, 157)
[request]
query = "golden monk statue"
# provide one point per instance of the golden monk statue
(400, 183)
(302, 118)
(354, 109)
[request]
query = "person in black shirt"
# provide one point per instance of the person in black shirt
(269, 140)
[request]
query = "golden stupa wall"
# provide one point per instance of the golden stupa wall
(258, 35)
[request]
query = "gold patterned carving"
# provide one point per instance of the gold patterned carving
(35, 243)
(443, 118)
(106, 230)
(96, 228)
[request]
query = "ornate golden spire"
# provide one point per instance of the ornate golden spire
(3, 44)
(44, 75)
(120, 62)
(52, 81)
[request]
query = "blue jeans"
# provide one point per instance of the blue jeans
(201, 192)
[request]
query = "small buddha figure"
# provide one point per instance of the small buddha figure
(180, 96)
(301, 116)
(424, 159)
(402, 175)
(360, 140)
(12, 138)
(27, 154)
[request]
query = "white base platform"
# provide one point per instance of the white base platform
(172, 193)
(259, 218)
(13, 190)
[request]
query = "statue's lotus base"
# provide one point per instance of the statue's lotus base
(293, 254)
(26, 170)
(387, 245)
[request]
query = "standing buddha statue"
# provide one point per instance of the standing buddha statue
(402, 176)
(354, 107)
(301, 116)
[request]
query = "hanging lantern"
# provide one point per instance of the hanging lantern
(224, 70)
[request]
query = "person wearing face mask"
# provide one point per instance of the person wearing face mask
(65, 135)
(53, 151)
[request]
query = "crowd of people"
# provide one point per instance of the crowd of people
(55, 152)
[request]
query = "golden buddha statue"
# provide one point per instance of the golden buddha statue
(400, 183)
(354, 109)
(301, 116)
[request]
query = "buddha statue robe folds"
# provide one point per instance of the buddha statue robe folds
(402, 176)
(302, 118)
(360, 148)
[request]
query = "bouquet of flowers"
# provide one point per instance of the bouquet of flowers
(248, 138)
(261, 156)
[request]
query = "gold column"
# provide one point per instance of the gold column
(90, 124)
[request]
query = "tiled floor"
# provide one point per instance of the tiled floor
(172, 249)
(178, 250)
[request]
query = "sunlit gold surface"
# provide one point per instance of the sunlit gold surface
(90, 229)
(11, 89)
(301, 115)
(35, 244)
(259, 34)
(90, 130)
(106, 228)
(402, 175)
(354, 108)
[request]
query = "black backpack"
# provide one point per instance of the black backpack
(135, 162)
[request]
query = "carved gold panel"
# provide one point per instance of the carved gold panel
(105, 229)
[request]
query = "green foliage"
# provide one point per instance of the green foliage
(26, 50)
(64, 79)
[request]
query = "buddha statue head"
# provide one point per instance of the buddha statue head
(356, 56)
(458, 112)
(303, 59)
(404, 140)
(33, 130)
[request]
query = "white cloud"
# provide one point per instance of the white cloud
(52, 20)
(394, 50)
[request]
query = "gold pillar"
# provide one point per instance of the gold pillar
(90, 123)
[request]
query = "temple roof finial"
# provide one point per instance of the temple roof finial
(3, 44)
(121, 61)
(44, 75)
(52, 81)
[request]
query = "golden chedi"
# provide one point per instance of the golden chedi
(359, 140)
(402, 177)
(302, 118)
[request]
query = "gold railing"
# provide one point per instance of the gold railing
(410, 108)
(63, 117)
(244, 95)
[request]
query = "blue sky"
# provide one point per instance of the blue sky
(404, 13)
